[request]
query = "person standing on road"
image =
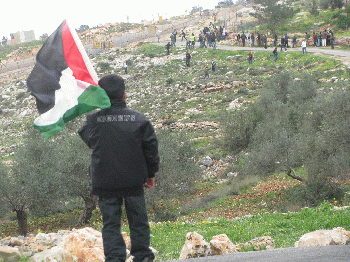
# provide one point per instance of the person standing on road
(314, 37)
(124, 160)
(243, 37)
(238, 38)
(286, 40)
(324, 37)
(303, 46)
(275, 40)
(332, 42)
(319, 39)
(264, 40)
(283, 45)
(307, 37)
(294, 41)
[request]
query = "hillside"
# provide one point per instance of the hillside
(178, 98)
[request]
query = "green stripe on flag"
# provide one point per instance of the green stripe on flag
(92, 98)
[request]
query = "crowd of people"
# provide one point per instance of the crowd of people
(206, 38)
(323, 38)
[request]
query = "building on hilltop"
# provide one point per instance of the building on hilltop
(22, 37)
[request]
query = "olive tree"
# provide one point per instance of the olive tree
(46, 174)
(177, 173)
(294, 125)
(32, 183)
(273, 13)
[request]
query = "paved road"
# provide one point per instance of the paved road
(325, 50)
(311, 49)
(338, 253)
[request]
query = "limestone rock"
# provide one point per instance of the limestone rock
(206, 161)
(195, 246)
(85, 244)
(221, 245)
(9, 254)
(259, 243)
(337, 236)
(54, 254)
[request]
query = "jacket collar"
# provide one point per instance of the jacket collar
(118, 103)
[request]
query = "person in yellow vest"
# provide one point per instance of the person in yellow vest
(193, 40)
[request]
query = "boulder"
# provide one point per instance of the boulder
(85, 244)
(195, 246)
(221, 244)
(336, 236)
(54, 254)
(206, 161)
(9, 254)
(259, 243)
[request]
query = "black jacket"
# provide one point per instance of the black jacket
(124, 150)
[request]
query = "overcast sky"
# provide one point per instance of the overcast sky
(44, 16)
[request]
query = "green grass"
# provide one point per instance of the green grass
(169, 237)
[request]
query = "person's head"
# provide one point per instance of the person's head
(113, 85)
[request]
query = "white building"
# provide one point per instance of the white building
(23, 37)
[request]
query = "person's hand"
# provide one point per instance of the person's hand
(149, 183)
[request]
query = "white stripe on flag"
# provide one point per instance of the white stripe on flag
(65, 98)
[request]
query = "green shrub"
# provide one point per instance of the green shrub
(292, 125)
(314, 191)
(176, 177)
(104, 67)
(169, 81)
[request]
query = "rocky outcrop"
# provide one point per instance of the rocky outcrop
(9, 254)
(84, 245)
(221, 245)
(336, 236)
(79, 245)
(196, 246)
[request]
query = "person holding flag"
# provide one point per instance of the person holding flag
(63, 82)
(124, 159)
(124, 145)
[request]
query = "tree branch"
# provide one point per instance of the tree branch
(294, 175)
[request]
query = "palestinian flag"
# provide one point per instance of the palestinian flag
(64, 82)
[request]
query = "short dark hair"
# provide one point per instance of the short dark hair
(113, 85)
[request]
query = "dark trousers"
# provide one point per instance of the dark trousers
(113, 243)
